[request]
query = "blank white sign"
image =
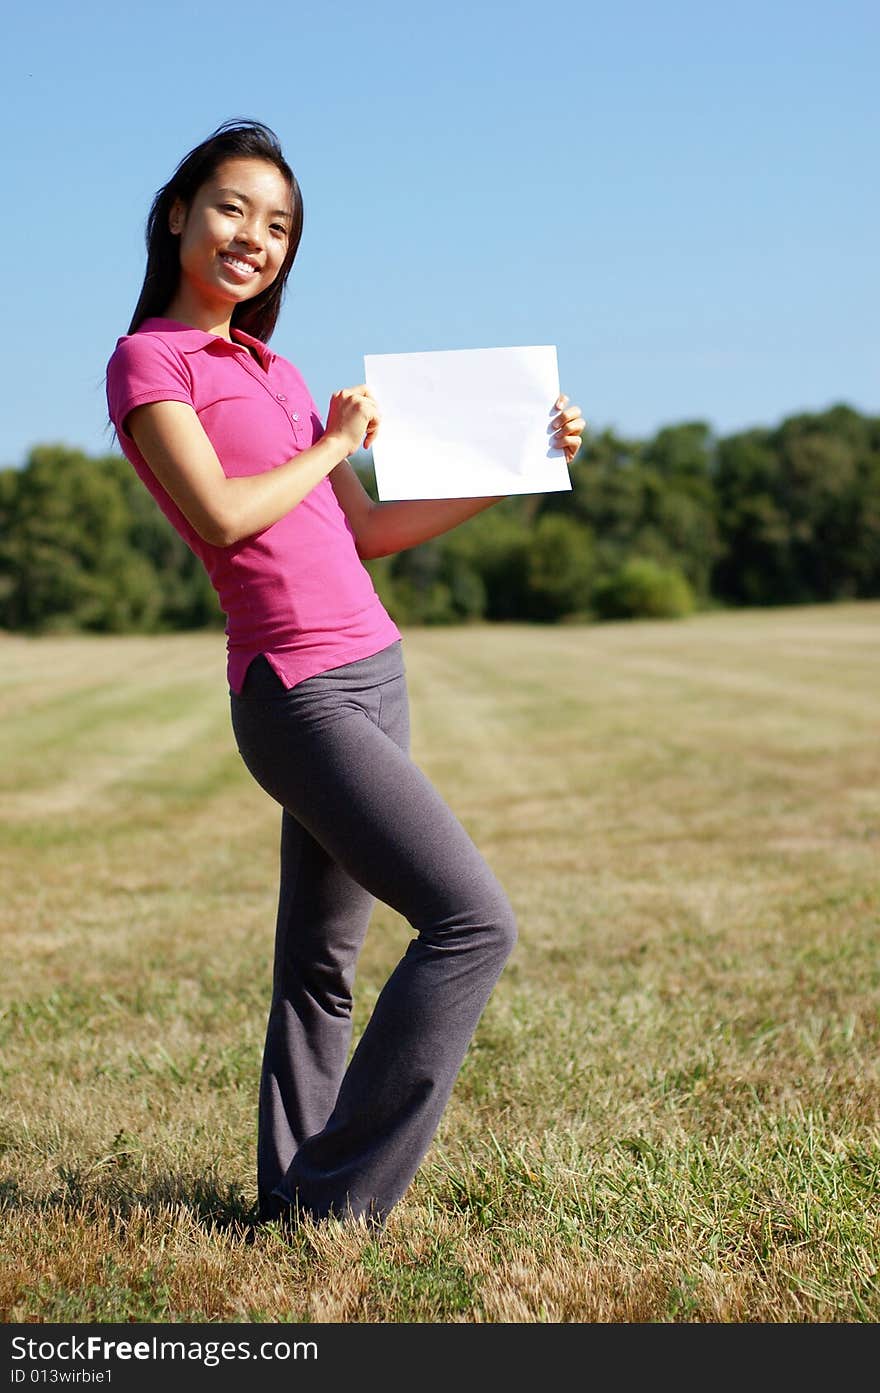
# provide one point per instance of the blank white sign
(466, 423)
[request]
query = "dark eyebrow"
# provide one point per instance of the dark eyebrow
(278, 213)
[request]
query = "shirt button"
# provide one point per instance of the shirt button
(296, 415)
(281, 396)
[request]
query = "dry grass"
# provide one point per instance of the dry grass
(671, 1109)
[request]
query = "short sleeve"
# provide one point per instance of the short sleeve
(144, 368)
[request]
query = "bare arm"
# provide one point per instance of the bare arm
(380, 529)
(224, 510)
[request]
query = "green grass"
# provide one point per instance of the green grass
(671, 1108)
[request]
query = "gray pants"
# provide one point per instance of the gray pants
(361, 822)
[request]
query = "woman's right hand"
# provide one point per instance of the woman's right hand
(353, 418)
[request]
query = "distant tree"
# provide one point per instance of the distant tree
(764, 516)
(561, 568)
(187, 599)
(682, 506)
(799, 510)
(828, 486)
(607, 492)
(754, 529)
(494, 547)
(641, 589)
(64, 552)
(655, 499)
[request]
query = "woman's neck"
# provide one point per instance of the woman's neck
(211, 319)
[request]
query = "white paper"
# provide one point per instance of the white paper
(466, 423)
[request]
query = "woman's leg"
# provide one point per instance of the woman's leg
(336, 760)
(322, 920)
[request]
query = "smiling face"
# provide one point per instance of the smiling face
(233, 240)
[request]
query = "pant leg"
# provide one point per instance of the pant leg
(340, 772)
(322, 920)
(321, 923)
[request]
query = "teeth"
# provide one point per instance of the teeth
(242, 265)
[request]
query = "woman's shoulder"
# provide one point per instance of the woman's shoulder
(143, 368)
(143, 347)
(148, 353)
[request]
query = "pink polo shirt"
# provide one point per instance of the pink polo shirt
(298, 591)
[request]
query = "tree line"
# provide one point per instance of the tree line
(652, 528)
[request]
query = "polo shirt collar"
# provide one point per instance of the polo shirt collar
(189, 340)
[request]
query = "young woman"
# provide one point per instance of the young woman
(225, 435)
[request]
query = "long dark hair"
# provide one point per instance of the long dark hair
(235, 138)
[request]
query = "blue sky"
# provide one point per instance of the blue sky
(682, 197)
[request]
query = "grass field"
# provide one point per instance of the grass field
(671, 1109)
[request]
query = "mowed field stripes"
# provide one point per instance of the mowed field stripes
(671, 1108)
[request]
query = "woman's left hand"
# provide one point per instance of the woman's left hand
(568, 425)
